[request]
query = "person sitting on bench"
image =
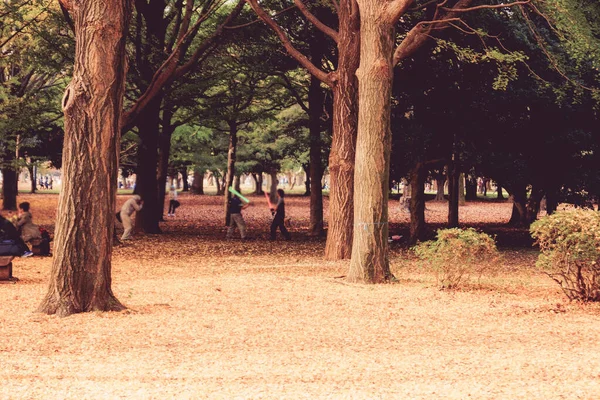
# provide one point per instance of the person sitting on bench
(8, 232)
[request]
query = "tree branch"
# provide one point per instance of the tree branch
(301, 58)
(396, 9)
(485, 7)
(332, 33)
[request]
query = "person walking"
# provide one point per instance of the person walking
(235, 212)
(173, 203)
(279, 217)
(132, 205)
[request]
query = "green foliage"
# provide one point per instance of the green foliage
(570, 251)
(457, 254)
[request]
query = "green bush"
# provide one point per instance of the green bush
(457, 254)
(570, 251)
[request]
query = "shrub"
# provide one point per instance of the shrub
(570, 251)
(457, 254)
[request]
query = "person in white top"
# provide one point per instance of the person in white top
(132, 205)
(173, 203)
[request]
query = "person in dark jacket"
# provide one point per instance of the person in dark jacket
(279, 217)
(8, 232)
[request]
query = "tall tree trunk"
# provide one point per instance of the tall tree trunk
(343, 142)
(306, 168)
(184, 179)
(316, 98)
(164, 153)
(33, 173)
(533, 205)
(218, 183)
(233, 130)
(81, 269)
(453, 194)
(500, 195)
(237, 183)
(461, 189)
(146, 184)
(9, 182)
(440, 181)
(198, 184)
(519, 211)
(370, 253)
(258, 181)
(417, 203)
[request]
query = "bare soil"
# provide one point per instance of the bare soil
(210, 318)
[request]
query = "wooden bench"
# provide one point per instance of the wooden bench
(6, 270)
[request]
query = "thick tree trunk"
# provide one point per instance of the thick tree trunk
(316, 98)
(230, 174)
(453, 195)
(343, 142)
(237, 183)
(258, 181)
(198, 184)
(9, 183)
(146, 184)
(417, 203)
(370, 253)
(533, 205)
(519, 210)
(440, 181)
(500, 195)
(81, 269)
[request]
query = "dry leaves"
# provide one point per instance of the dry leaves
(210, 318)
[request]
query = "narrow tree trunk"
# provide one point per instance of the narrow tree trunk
(184, 179)
(233, 130)
(198, 184)
(343, 142)
(461, 189)
(237, 183)
(370, 258)
(164, 153)
(33, 172)
(306, 168)
(9, 183)
(417, 203)
(257, 184)
(453, 194)
(316, 98)
(81, 269)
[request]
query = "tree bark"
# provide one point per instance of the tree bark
(9, 182)
(453, 194)
(417, 203)
(500, 195)
(237, 183)
(231, 154)
(370, 256)
(184, 179)
(146, 184)
(461, 189)
(343, 142)
(306, 168)
(316, 98)
(198, 184)
(81, 270)
(533, 205)
(519, 211)
(164, 153)
(440, 181)
(33, 173)
(218, 183)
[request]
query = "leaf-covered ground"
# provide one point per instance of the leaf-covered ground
(210, 318)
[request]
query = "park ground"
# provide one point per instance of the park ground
(210, 318)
